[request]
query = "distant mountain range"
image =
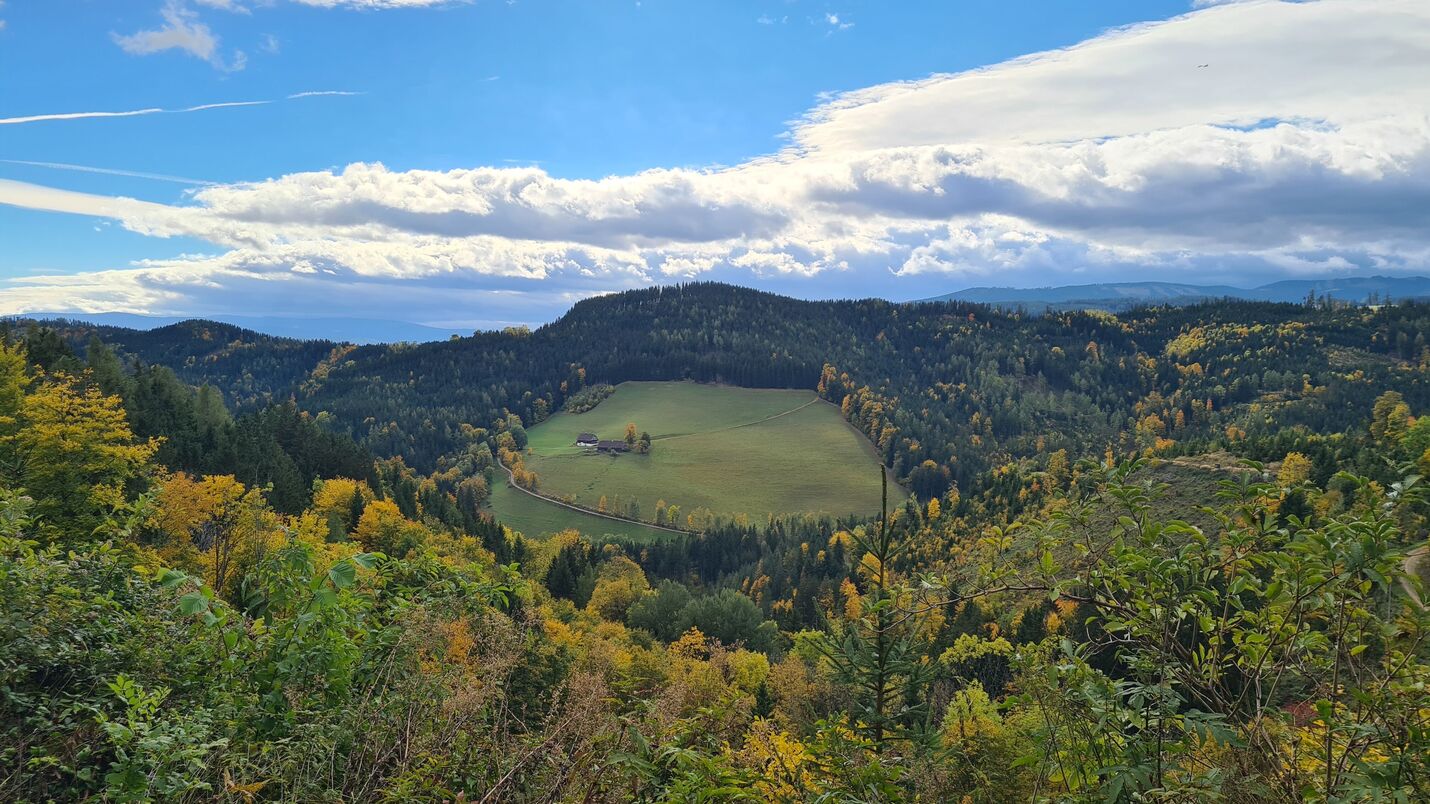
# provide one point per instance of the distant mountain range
(1105, 296)
(349, 330)
(1122, 295)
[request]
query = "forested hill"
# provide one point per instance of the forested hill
(251, 368)
(946, 391)
(201, 606)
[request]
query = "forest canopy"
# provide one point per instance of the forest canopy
(1173, 554)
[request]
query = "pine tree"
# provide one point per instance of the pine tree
(879, 656)
(355, 507)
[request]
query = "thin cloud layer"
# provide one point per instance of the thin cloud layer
(134, 174)
(1097, 161)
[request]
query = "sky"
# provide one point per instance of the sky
(478, 164)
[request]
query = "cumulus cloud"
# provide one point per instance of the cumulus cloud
(1106, 159)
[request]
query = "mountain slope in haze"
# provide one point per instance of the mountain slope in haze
(1122, 295)
(348, 330)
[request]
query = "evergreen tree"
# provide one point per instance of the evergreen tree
(355, 507)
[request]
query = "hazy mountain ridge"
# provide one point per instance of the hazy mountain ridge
(340, 329)
(1120, 295)
(1104, 295)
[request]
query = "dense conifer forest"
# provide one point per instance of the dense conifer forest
(961, 385)
(1172, 554)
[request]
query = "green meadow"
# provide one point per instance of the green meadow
(730, 450)
(536, 518)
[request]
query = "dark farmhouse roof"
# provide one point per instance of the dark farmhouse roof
(584, 437)
(615, 446)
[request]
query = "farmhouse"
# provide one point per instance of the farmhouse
(612, 446)
(586, 440)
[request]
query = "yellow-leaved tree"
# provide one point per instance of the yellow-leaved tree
(214, 524)
(1295, 470)
(69, 446)
(619, 585)
(383, 529)
(340, 503)
(13, 381)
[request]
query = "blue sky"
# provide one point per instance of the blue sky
(494, 161)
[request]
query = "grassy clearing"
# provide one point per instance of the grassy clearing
(731, 450)
(537, 518)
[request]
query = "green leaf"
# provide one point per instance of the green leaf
(172, 578)
(193, 603)
(343, 574)
(325, 598)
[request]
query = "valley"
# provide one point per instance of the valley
(717, 452)
(326, 539)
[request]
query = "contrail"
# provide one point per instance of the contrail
(323, 93)
(137, 174)
(203, 106)
(5, 121)
(39, 118)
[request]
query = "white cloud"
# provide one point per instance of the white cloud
(1330, 61)
(235, 6)
(1110, 158)
(181, 31)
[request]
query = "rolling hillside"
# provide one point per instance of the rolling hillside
(715, 450)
